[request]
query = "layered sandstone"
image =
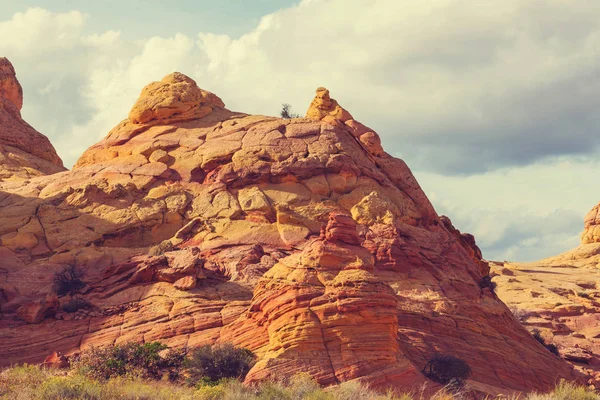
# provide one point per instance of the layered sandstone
(591, 227)
(24, 152)
(299, 239)
(560, 297)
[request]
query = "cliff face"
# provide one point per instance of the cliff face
(24, 152)
(300, 239)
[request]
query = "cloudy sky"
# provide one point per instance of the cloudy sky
(493, 104)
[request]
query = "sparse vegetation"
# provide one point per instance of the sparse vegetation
(447, 370)
(161, 248)
(287, 113)
(130, 359)
(213, 363)
(519, 313)
(550, 346)
(68, 280)
(32, 383)
(566, 391)
(486, 282)
(71, 388)
(583, 294)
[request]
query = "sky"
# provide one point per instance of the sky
(493, 104)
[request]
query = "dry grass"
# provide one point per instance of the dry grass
(566, 391)
(32, 383)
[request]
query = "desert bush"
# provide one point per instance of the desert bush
(68, 280)
(161, 248)
(130, 359)
(519, 313)
(486, 282)
(229, 389)
(286, 112)
(172, 363)
(273, 390)
(215, 392)
(447, 370)
(218, 362)
(76, 304)
(303, 386)
(550, 346)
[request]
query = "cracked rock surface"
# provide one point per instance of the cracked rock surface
(300, 239)
(560, 297)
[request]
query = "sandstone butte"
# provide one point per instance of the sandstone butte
(300, 239)
(24, 152)
(560, 297)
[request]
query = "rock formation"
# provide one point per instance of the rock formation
(24, 152)
(297, 238)
(560, 297)
(591, 227)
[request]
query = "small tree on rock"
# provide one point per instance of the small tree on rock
(287, 113)
(68, 281)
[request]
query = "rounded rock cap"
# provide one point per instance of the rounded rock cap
(324, 108)
(176, 97)
(10, 88)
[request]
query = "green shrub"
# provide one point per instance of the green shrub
(215, 392)
(130, 359)
(218, 362)
(68, 280)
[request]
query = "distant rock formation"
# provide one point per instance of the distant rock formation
(591, 226)
(24, 152)
(297, 238)
(560, 297)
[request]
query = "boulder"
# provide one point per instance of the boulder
(36, 311)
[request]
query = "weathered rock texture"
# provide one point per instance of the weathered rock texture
(299, 239)
(560, 297)
(24, 152)
(591, 227)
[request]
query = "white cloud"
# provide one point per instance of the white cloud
(453, 88)
(40, 30)
(519, 213)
